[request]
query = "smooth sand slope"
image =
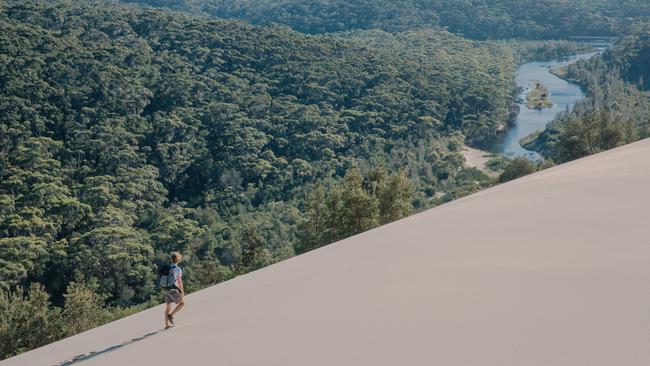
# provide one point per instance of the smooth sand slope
(552, 269)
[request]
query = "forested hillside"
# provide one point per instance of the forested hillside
(126, 133)
(617, 108)
(631, 55)
(490, 19)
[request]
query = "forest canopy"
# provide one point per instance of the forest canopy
(493, 19)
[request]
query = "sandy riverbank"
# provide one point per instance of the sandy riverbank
(475, 158)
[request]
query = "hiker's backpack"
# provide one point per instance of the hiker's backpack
(166, 274)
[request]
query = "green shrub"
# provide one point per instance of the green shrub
(517, 168)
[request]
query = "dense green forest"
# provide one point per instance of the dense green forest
(529, 51)
(617, 108)
(486, 19)
(126, 133)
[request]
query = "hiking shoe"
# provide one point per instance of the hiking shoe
(171, 319)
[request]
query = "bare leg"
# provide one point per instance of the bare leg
(177, 308)
(168, 308)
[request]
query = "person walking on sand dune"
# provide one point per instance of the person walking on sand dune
(171, 281)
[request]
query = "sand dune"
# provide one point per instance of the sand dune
(550, 269)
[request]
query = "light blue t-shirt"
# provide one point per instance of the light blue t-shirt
(178, 273)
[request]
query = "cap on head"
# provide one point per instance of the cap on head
(176, 257)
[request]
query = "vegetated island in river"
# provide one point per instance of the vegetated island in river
(538, 97)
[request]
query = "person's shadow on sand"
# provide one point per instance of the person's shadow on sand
(86, 356)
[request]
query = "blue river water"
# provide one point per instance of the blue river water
(563, 94)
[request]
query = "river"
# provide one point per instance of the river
(563, 94)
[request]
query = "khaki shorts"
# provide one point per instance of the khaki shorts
(172, 296)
